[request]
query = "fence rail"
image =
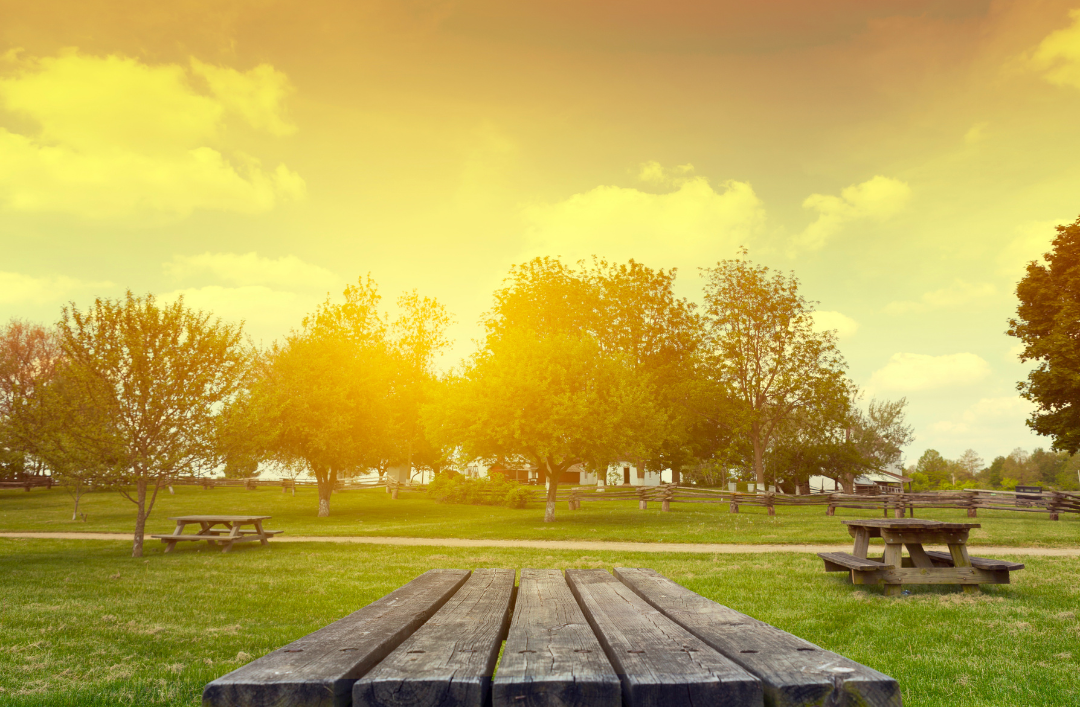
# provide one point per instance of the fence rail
(1052, 503)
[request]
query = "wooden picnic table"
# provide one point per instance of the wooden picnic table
(921, 566)
(583, 638)
(231, 531)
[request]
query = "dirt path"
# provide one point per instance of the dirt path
(579, 545)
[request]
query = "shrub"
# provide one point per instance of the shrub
(496, 490)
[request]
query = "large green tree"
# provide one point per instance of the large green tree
(1047, 322)
(557, 400)
(323, 397)
(629, 311)
(762, 342)
(151, 378)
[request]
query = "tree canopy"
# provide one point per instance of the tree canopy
(1047, 323)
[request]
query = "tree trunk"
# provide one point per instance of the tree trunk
(140, 518)
(552, 490)
(326, 487)
(759, 465)
(676, 476)
(76, 493)
(847, 482)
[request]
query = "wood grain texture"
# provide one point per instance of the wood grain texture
(449, 661)
(846, 561)
(792, 671)
(552, 656)
(660, 663)
(320, 668)
(983, 563)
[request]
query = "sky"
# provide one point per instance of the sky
(904, 159)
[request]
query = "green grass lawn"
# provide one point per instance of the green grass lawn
(85, 624)
(372, 512)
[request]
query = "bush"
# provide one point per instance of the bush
(496, 490)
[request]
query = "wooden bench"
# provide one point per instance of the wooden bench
(232, 531)
(893, 569)
(587, 638)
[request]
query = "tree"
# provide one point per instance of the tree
(28, 356)
(154, 376)
(325, 393)
(418, 337)
(556, 400)
(629, 311)
(761, 339)
(1047, 322)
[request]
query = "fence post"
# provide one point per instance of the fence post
(734, 503)
(665, 503)
(769, 503)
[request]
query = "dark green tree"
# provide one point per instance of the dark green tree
(1047, 322)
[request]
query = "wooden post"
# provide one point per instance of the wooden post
(665, 505)
(831, 510)
(973, 512)
(769, 504)
(734, 503)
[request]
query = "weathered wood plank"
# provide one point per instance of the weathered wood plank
(938, 575)
(792, 671)
(320, 668)
(660, 663)
(449, 661)
(983, 563)
(552, 656)
(848, 561)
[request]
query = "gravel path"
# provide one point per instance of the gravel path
(707, 548)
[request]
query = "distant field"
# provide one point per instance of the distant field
(373, 512)
(85, 624)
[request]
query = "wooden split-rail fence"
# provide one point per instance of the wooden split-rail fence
(1053, 503)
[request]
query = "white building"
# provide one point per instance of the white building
(628, 473)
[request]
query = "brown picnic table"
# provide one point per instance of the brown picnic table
(232, 530)
(585, 637)
(920, 566)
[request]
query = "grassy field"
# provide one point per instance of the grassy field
(85, 624)
(372, 512)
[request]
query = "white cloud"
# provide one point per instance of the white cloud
(986, 415)
(267, 313)
(119, 138)
(976, 134)
(959, 293)
(844, 325)
(253, 269)
(16, 288)
(687, 226)
(878, 199)
(1032, 241)
(911, 372)
(1057, 57)
(654, 173)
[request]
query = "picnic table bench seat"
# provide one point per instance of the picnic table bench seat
(587, 637)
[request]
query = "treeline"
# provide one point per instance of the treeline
(587, 364)
(1050, 469)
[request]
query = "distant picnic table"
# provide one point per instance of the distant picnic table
(232, 531)
(921, 566)
(584, 638)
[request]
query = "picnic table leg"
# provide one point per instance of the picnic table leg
(233, 533)
(893, 552)
(262, 535)
(919, 558)
(205, 530)
(961, 558)
(862, 543)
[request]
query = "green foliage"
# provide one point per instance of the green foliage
(763, 349)
(494, 490)
(1048, 323)
(143, 383)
